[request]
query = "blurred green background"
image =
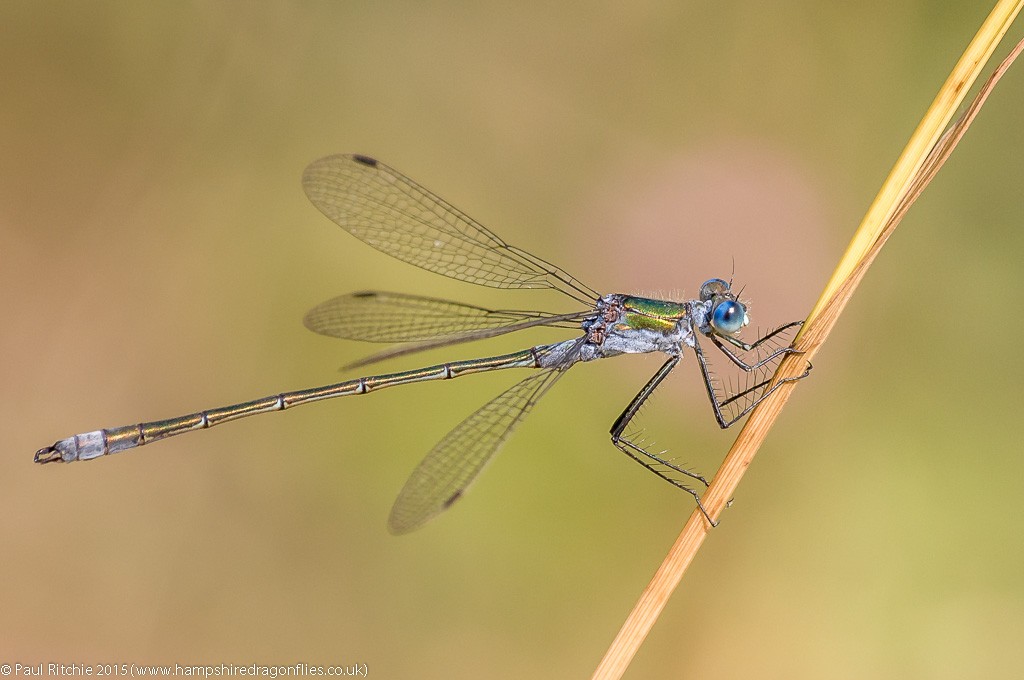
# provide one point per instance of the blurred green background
(158, 255)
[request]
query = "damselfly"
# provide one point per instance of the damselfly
(395, 215)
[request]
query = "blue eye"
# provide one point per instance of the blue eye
(728, 317)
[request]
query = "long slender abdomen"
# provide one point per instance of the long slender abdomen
(98, 443)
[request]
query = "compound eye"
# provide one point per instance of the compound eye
(713, 287)
(728, 317)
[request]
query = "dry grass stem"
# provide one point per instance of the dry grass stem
(924, 154)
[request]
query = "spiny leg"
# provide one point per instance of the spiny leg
(642, 456)
(752, 346)
(763, 383)
(763, 339)
(717, 405)
(634, 452)
(745, 392)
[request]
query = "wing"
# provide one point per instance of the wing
(375, 316)
(390, 212)
(452, 465)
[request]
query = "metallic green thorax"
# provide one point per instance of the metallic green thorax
(655, 315)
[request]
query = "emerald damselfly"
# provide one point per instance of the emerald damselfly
(390, 212)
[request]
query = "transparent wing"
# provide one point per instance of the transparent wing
(452, 465)
(390, 212)
(427, 323)
(377, 316)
